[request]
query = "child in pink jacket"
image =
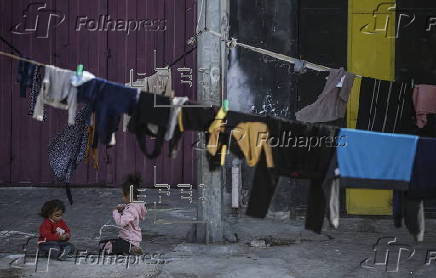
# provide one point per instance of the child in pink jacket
(127, 216)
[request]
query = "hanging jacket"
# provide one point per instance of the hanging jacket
(109, 101)
(332, 102)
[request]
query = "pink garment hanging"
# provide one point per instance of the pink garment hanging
(424, 101)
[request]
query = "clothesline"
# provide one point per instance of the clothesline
(41, 64)
(233, 43)
(293, 162)
(21, 58)
(282, 57)
(229, 43)
(13, 48)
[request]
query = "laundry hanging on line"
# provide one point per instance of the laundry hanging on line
(408, 207)
(25, 75)
(376, 160)
(59, 90)
(424, 101)
(332, 102)
(296, 167)
(324, 189)
(159, 83)
(385, 106)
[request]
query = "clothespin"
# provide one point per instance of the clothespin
(79, 70)
(413, 83)
(232, 43)
(300, 66)
(226, 105)
(219, 118)
(341, 82)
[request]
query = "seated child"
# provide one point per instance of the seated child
(54, 234)
(127, 216)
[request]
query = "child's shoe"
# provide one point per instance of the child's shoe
(136, 251)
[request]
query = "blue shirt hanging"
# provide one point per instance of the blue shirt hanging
(377, 156)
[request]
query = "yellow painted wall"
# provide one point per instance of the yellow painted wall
(371, 53)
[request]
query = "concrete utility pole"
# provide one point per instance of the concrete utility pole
(212, 67)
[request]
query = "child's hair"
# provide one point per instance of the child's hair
(51, 206)
(133, 180)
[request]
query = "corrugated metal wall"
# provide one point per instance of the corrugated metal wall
(107, 54)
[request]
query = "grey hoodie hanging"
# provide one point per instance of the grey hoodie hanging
(332, 102)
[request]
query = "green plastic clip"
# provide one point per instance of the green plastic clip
(226, 105)
(79, 71)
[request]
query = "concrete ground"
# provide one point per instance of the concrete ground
(265, 247)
